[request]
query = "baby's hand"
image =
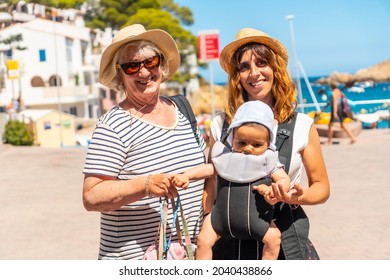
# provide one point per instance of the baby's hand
(181, 181)
(263, 189)
(267, 192)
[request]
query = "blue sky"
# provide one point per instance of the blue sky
(330, 35)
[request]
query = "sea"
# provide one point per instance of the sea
(364, 98)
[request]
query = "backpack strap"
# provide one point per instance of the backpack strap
(224, 134)
(285, 130)
(185, 108)
(293, 224)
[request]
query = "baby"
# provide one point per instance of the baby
(241, 209)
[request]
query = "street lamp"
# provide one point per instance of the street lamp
(57, 80)
(297, 77)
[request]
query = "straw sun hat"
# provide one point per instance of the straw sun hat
(249, 35)
(135, 32)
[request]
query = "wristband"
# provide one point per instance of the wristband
(147, 191)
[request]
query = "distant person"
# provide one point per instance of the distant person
(337, 113)
(323, 93)
(256, 64)
(251, 159)
(137, 144)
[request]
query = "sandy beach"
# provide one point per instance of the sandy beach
(42, 216)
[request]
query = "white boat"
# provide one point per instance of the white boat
(367, 118)
(383, 114)
(373, 117)
(356, 89)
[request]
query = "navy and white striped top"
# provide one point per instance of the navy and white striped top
(125, 147)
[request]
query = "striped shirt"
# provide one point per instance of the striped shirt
(125, 148)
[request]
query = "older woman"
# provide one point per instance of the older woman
(137, 144)
(257, 67)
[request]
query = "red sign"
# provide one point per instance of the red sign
(208, 45)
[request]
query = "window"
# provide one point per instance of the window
(42, 55)
(47, 125)
(113, 95)
(66, 124)
(87, 78)
(69, 56)
(73, 110)
(2, 79)
(69, 45)
(37, 81)
(84, 46)
(54, 81)
(103, 94)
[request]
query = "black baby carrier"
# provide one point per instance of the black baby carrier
(291, 221)
(239, 211)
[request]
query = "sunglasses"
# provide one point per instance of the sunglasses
(133, 67)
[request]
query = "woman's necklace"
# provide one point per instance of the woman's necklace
(132, 116)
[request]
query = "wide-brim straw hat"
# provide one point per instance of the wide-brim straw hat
(249, 35)
(135, 32)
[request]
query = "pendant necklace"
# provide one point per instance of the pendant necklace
(139, 110)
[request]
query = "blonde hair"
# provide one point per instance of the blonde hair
(283, 88)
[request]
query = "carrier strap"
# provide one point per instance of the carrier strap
(224, 134)
(285, 130)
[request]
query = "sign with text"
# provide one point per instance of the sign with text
(208, 45)
(13, 69)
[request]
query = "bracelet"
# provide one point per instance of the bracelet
(147, 191)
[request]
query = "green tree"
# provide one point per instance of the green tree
(162, 14)
(17, 133)
(13, 41)
(181, 12)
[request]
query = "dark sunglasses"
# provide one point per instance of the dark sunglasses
(133, 67)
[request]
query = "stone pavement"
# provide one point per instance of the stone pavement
(42, 216)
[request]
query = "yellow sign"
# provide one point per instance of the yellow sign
(13, 69)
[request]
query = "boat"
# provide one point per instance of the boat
(356, 89)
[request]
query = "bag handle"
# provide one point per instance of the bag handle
(187, 238)
(162, 227)
(164, 244)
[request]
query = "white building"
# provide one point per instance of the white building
(57, 70)
(59, 67)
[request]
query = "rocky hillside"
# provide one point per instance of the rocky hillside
(377, 73)
(201, 100)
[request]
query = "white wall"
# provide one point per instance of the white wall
(51, 37)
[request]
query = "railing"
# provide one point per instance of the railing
(355, 102)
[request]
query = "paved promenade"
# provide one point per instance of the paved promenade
(42, 216)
